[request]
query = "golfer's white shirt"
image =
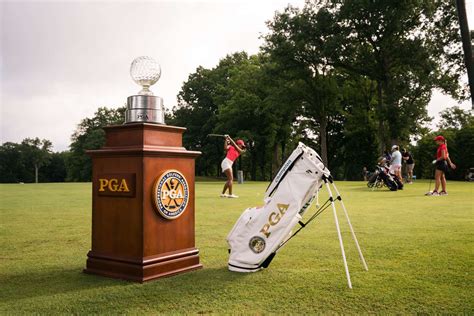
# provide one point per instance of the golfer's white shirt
(396, 158)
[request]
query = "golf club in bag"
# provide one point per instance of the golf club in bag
(260, 232)
(382, 177)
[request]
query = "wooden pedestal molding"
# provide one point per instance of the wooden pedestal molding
(130, 238)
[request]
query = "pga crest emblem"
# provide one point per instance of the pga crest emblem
(171, 194)
(257, 244)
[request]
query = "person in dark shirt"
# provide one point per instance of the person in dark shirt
(387, 155)
(410, 163)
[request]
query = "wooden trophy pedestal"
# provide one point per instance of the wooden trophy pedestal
(142, 204)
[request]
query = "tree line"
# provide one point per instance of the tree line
(33, 161)
(348, 79)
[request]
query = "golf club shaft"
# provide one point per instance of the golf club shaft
(215, 135)
(431, 178)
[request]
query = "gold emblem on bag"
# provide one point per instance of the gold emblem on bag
(257, 244)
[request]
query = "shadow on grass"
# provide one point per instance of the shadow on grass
(378, 190)
(52, 281)
(49, 282)
(389, 193)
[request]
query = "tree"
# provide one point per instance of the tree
(90, 135)
(457, 126)
(36, 153)
(198, 103)
(298, 43)
(12, 168)
(241, 97)
(250, 114)
(463, 156)
(350, 77)
(359, 147)
(55, 169)
(467, 45)
(196, 111)
(31, 160)
(407, 48)
(424, 153)
(455, 118)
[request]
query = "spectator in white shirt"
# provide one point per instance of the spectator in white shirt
(396, 162)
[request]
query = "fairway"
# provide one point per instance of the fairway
(419, 250)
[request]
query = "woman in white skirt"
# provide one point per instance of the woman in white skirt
(233, 151)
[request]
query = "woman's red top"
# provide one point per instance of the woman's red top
(232, 153)
(439, 152)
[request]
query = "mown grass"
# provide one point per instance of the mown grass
(419, 249)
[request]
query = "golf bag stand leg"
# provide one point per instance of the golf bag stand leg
(361, 256)
(317, 198)
(338, 232)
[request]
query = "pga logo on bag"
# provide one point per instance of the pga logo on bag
(171, 194)
(257, 244)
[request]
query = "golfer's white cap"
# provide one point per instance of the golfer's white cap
(394, 147)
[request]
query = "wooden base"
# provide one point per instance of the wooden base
(131, 239)
(141, 271)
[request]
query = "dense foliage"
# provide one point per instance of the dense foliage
(90, 135)
(29, 162)
(457, 126)
(350, 79)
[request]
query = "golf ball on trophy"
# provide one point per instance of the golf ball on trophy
(145, 71)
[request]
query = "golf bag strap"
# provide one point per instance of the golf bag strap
(303, 225)
(284, 174)
(267, 261)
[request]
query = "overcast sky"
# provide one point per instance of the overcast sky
(61, 60)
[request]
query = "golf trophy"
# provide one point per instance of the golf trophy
(143, 192)
(145, 107)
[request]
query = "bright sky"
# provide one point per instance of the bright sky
(61, 60)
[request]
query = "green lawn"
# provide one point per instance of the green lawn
(420, 253)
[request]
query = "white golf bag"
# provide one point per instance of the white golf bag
(261, 231)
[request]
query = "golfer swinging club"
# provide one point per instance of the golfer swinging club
(233, 151)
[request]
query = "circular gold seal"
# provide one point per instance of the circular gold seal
(170, 194)
(257, 244)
